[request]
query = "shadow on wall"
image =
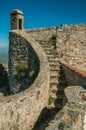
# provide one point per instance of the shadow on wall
(74, 75)
(4, 81)
(26, 73)
(24, 64)
(48, 114)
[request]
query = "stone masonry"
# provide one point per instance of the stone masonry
(17, 20)
(23, 63)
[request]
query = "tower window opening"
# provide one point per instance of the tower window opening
(20, 24)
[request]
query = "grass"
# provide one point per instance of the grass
(50, 101)
(21, 70)
(31, 73)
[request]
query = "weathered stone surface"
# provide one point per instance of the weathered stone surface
(17, 19)
(75, 76)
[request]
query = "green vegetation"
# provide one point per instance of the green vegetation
(50, 101)
(51, 85)
(21, 70)
(53, 40)
(31, 73)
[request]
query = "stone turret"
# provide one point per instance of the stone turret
(17, 20)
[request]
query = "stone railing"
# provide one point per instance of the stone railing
(21, 111)
(74, 76)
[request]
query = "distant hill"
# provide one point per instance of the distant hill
(4, 55)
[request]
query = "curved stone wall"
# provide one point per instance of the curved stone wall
(24, 63)
(21, 111)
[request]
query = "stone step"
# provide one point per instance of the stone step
(54, 76)
(47, 47)
(56, 69)
(48, 52)
(52, 93)
(53, 96)
(54, 83)
(50, 56)
(54, 63)
(55, 60)
(52, 73)
(53, 80)
(53, 88)
(45, 44)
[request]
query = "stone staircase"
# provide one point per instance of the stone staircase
(53, 62)
(56, 73)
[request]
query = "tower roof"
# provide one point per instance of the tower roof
(16, 11)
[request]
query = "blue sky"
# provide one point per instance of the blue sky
(41, 13)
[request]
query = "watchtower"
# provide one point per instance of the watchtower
(17, 19)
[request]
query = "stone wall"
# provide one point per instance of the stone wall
(70, 41)
(74, 76)
(23, 63)
(21, 111)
